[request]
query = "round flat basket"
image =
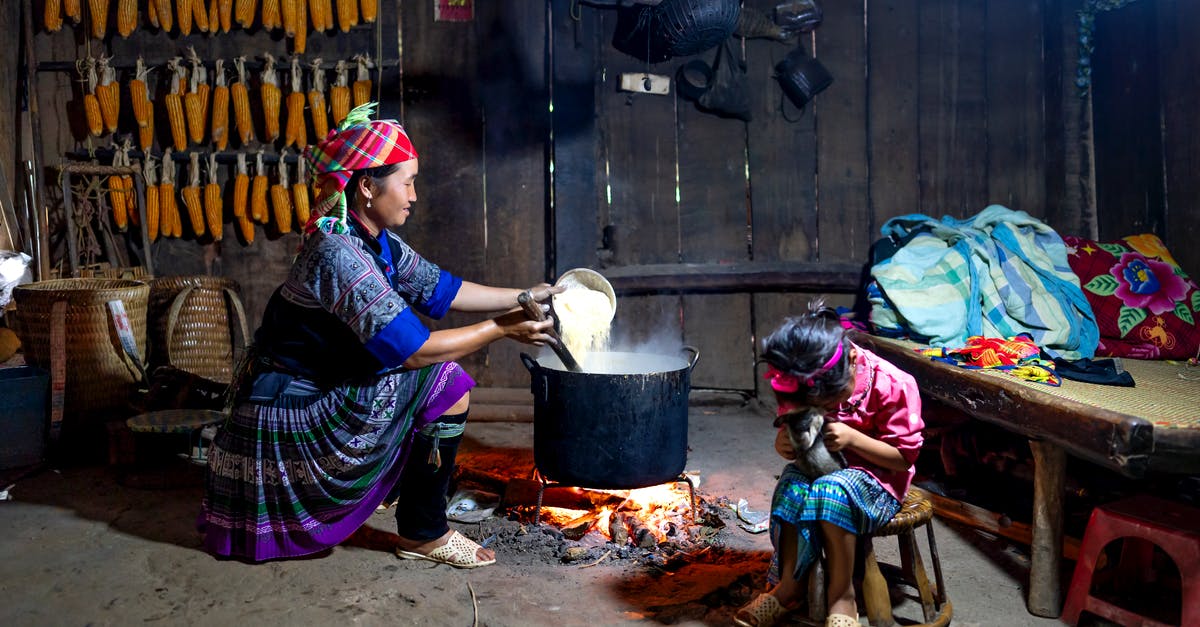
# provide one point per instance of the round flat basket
(99, 374)
(189, 318)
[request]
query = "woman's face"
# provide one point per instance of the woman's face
(391, 197)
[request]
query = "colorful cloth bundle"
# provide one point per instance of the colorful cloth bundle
(999, 274)
(1017, 355)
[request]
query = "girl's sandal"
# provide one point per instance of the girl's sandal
(765, 610)
(458, 551)
(841, 620)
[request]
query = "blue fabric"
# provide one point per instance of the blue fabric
(443, 295)
(398, 340)
(1000, 273)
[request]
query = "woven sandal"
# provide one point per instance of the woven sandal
(841, 620)
(765, 610)
(458, 551)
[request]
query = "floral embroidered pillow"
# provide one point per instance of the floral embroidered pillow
(1145, 304)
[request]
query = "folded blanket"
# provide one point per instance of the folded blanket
(999, 274)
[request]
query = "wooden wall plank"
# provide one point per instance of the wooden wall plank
(1015, 84)
(443, 115)
(10, 22)
(845, 223)
(892, 98)
(512, 77)
(636, 190)
(1179, 53)
(1128, 143)
(952, 107)
(715, 228)
(576, 226)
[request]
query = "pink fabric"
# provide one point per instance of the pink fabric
(885, 405)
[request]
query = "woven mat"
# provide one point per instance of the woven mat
(1167, 393)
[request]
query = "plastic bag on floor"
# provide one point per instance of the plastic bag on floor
(472, 506)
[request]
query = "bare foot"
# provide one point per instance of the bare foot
(424, 547)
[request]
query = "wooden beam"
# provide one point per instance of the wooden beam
(984, 520)
(721, 278)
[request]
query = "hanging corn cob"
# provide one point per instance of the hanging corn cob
(315, 14)
(271, 98)
(191, 196)
(195, 101)
(52, 16)
(300, 198)
(146, 133)
(281, 199)
(183, 15)
(258, 191)
(339, 94)
(127, 17)
(200, 15)
(152, 13)
(117, 191)
(174, 101)
(127, 179)
(169, 222)
(139, 95)
(91, 104)
(99, 12)
(329, 14)
(224, 15)
(288, 15)
(316, 101)
(362, 84)
(300, 41)
(271, 14)
(220, 108)
(73, 9)
(243, 12)
(165, 14)
(241, 186)
(239, 93)
(296, 134)
(151, 180)
(214, 213)
(347, 14)
(370, 10)
(108, 94)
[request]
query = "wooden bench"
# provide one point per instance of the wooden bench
(1154, 427)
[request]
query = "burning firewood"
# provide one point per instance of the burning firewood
(576, 529)
(525, 491)
(617, 530)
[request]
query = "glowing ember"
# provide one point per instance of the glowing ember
(662, 511)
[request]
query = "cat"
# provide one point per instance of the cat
(804, 432)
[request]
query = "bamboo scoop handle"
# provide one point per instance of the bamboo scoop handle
(534, 311)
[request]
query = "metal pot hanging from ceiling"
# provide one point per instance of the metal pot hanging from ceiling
(674, 28)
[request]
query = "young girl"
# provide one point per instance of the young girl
(872, 415)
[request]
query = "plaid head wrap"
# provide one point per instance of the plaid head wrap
(358, 143)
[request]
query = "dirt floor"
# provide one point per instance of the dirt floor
(82, 546)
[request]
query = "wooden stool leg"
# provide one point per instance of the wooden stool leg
(875, 590)
(914, 569)
(940, 591)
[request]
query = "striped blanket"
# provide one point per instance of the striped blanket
(999, 274)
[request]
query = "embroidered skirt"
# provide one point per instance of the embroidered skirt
(293, 478)
(850, 499)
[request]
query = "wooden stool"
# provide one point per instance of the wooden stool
(937, 610)
(1143, 522)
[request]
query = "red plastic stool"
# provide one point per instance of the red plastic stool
(1173, 527)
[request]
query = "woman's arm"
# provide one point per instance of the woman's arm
(840, 436)
(473, 297)
(450, 344)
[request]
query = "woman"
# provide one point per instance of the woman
(347, 400)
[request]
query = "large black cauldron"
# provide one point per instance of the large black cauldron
(620, 424)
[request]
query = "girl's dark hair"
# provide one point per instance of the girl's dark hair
(802, 344)
(375, 174)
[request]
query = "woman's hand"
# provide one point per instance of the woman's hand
(543, 291)
(515, 325)
(783, 445)
(838, 435)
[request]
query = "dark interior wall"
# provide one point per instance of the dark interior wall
(714, 228)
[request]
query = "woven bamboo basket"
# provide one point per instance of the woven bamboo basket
(189, 318)
(100, 376)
